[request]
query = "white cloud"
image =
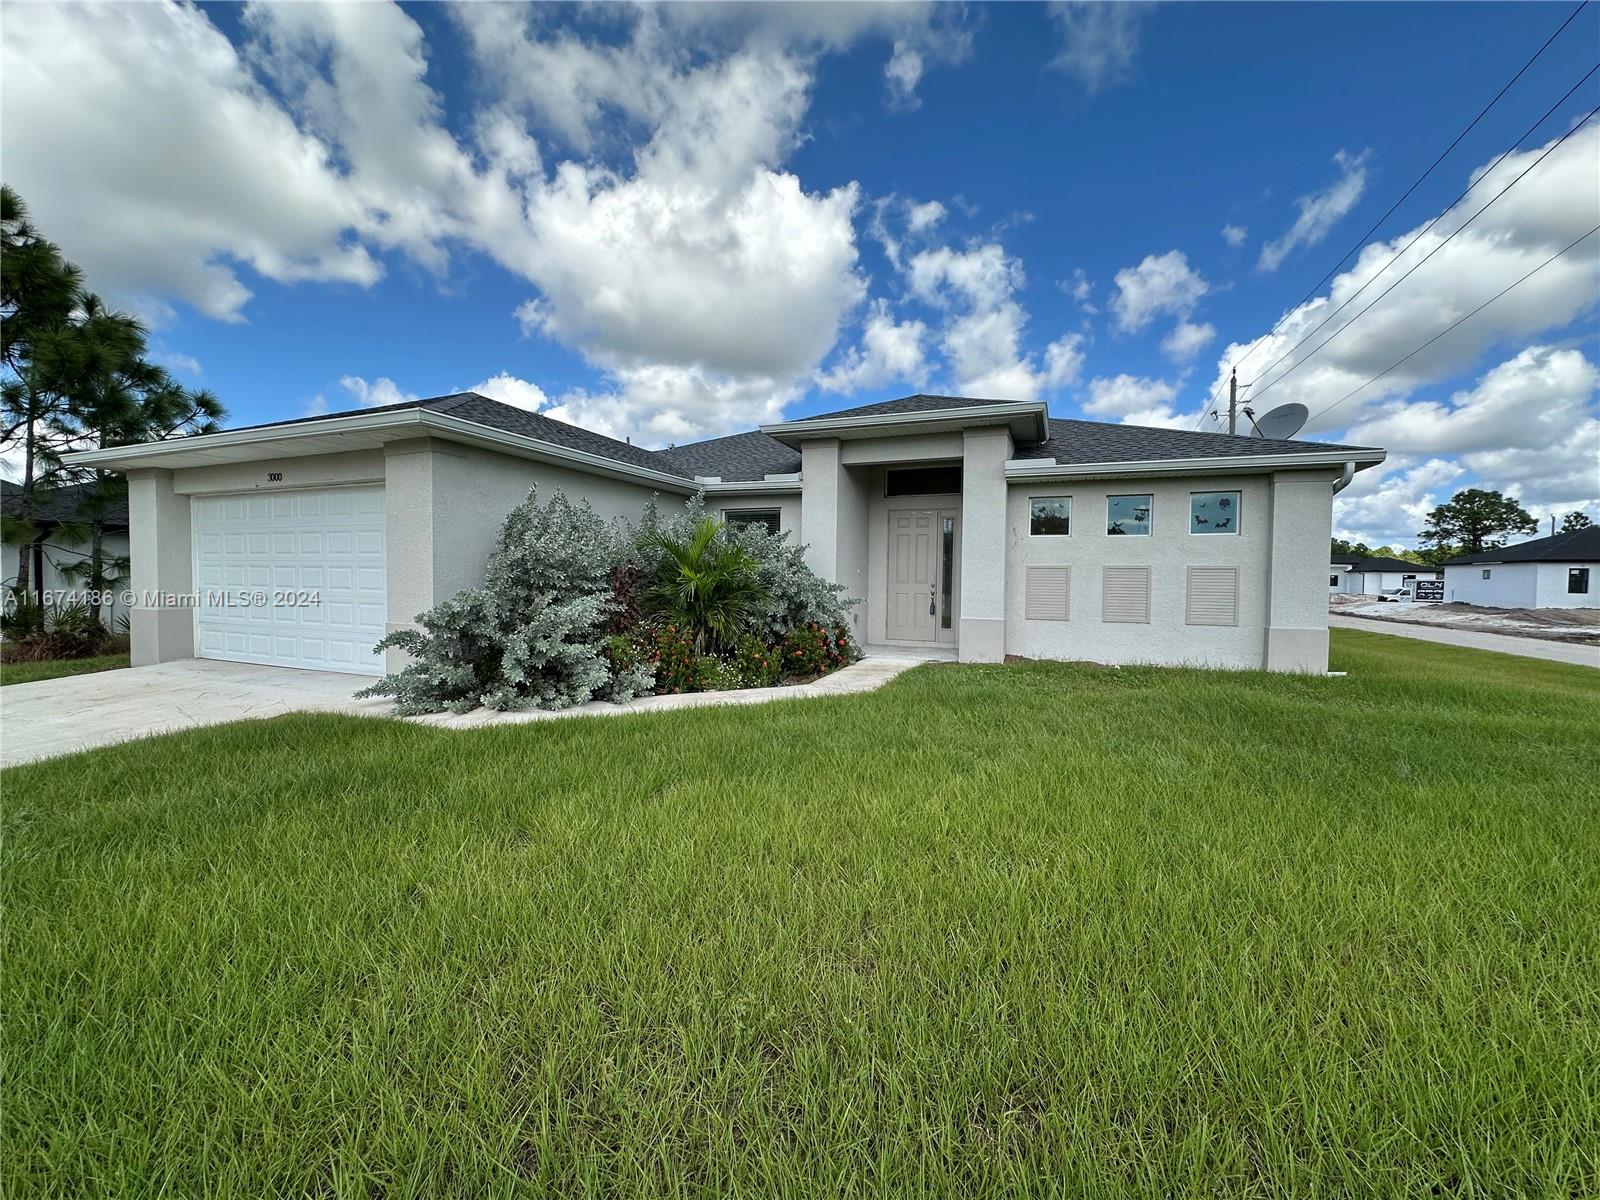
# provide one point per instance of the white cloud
(921, 218)
(658, 405)
(1134, 400)
(1235, 235)
(1098, 42)
(1186, 340)
(1160, 285)
(1320, 211)
(903, 73)
(379, 392)
(889, 351)
(518, 393)
(1063, 360)
(1550, 208)
(186, 363)
(1389, 503)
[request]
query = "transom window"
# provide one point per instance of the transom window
(1487, 572)
(1129, 514)
(1050, 516)
(1577, 581)
(767, 518)
(1213, 512)
(922, 481)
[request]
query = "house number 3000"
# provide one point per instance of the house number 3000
(274, 476)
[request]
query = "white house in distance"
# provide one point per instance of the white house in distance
(982, 526)
(1562, 571)
(1366, 575)
(53, 551)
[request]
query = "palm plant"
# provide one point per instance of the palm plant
(709, 584)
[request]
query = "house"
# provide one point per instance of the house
(1366, 575)
(1562, 571)
(981, 526)
(53, 553)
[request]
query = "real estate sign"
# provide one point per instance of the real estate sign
(1427, 589)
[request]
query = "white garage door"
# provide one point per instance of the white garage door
(291, 579)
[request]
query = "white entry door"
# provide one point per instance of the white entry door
(291, 579)
(913, 581)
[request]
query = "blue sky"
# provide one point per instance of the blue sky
(677, 222)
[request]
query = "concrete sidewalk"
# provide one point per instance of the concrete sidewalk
(1562, 652)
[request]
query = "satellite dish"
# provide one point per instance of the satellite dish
(1282, 422)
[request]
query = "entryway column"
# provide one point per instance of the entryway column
(983, 544)
(833, 523)
(161, 574)
(1297, 603)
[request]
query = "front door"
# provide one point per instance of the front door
(913, 575)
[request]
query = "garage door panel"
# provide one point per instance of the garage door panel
(328, 542)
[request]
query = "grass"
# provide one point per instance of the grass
(57, 668)
(994, 931)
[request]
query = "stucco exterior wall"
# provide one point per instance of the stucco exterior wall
(160, 547)
(786, 503)
(59, 553)
(984, 521)
(1519, 585)
(1169, 550)
(833, 521)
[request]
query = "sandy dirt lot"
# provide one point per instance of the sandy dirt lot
(1577, 625)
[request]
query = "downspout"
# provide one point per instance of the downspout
(1345, 476)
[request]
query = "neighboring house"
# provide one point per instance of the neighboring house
(1562, 571)
(980, 525)
(55, 551)
(1365, 575)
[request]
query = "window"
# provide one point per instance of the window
(1213, 512)
(1333, 581)
(922, 481)
(767, 517)
(1051, 516)
(1128, 514)
(1487, 572)
(1577, 581)
(947, 567)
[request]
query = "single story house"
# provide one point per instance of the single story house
(982, 526)
(1562, 571)
(1367, 575)
(52, 554)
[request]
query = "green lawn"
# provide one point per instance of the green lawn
(993, 931)
(56, 668)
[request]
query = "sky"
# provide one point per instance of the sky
(674, 222)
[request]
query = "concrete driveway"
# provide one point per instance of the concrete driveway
(1551, 651)
(59, 716)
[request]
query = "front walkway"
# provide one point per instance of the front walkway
(1563, 652)
(61, 716)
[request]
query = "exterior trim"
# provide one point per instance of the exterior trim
(735, 487)
(793, 432)
(1027, 470)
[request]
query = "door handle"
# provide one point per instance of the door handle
(933, 609)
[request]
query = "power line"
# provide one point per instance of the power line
(1460, 320)
(1521, 71)
(1295, 366)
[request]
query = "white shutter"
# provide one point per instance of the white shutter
(1213, 596)
(1125, 595)
(1048, 597)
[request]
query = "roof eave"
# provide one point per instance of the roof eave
(1021, 470)
(1028, 420)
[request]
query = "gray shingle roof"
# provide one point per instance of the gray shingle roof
(1369, 562)
(738, 458)
(470, 406)
(62, 504)
(1094, 442)
(1578, 545)
(918, 403)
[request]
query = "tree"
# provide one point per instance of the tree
(710, 584)
(1476, 520)
(75, 378)
(1575, 521)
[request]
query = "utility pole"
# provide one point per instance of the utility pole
(1233, 401)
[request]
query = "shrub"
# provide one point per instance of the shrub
(532, 635)
(817, 649)
(758, 663)
(796, 595)
(42, 633)
(704, 582)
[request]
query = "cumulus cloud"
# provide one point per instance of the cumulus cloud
(379, 392)
(1098, 42)
(1235, 235)
(1390, 502)
(1555, 204)
(1160, 285)
(1319, 212)
(508, 389)
(1186, 340)
(890, 350)
(1134, 400)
